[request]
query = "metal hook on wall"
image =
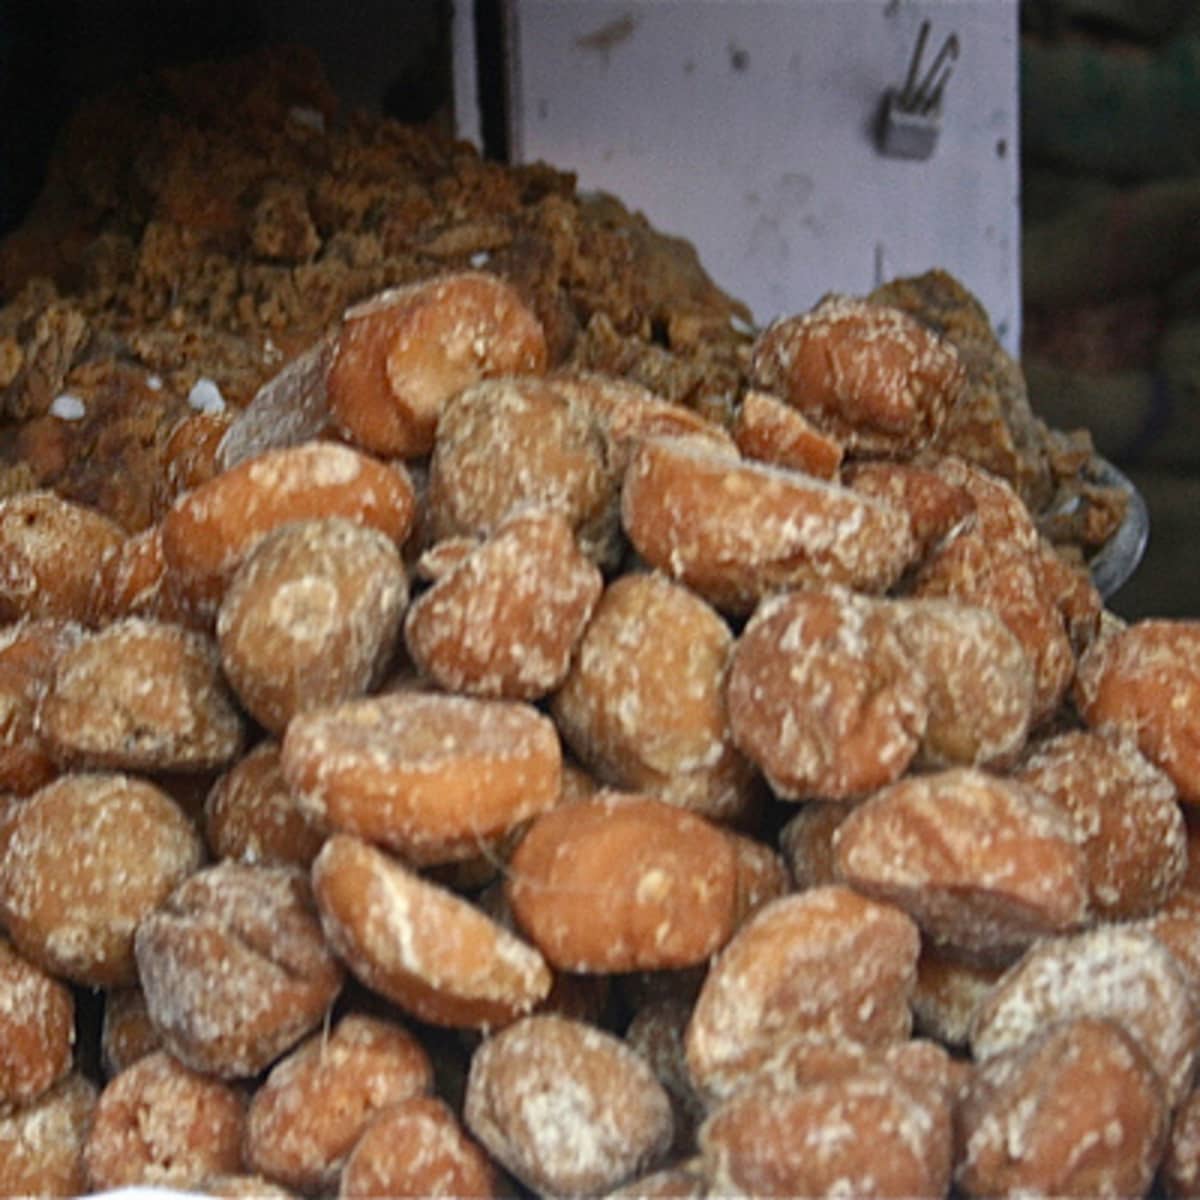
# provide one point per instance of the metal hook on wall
(911, 115)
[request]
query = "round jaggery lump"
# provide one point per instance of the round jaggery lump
(51, 551)
(159, 1123)
(141, 695)
(208, 531)
(643, 704)
(509, 442)
(398, 357)
(1144, 682)
(311, 617)
(126, 1031)
(625, 883)
(736, 530)
(983, 864)
(823, 696)
(1077, 1110)
(37, 1029)
(826, 960)
(870, 375)
(307, 1115)
(979, 682)
(29, 654)
(505, 619)
(428, 950)
(251, 814)
(417, 1149)
(128, 845)
(429, 775)
(566, 1107)
(235, 968)
(42, 1143)
(1125, 813)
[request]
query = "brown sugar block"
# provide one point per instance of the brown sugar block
(208, 531)
(996, 561)
(1075, 1111)
(980, 684)
(311, 617)
(418, 1148)
(307, 1115)
(142, 696)
(771, 431)
(37, 1029)
(566, 1107)
(1125, 814)
(505, 619)
(624, 883)
(864, 1134)
(936, 507)
(643, 704)
(826, 960)
(158, 1123)
(29, 654)
(51, 551)
(682, 1182)
(398, 357)
(735, 531)
(1144, 682)
(128, 845)
(429, 775)
(250, 814)
(1177, 926)
(981, 863)
(508, 442)
(126, 1031)
(431, 952)
(235, 968)
(1121, 973)
(41, 1143)
(870, 375)
(822, 695)
(190, 455)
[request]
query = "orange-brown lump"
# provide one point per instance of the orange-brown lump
(566, 1107)
(398, 357)
(980, 862)
(734, 530)
(826, 961)
(418, 1148)
(643, 703)
(1126, 815)
(504, 620)
(506, 442)
(823, 696)
(159, 1123)
(1076, 1110)
(307, 1115)
(128, 844)
(37, 1029)
(420, 945)
(51, 551)
(1144, 682)
(311, 617)
(141, 695)
(870, 375)
(622, 883)
(29, 654)
(41, 1143)
(209, 530)
(429, 775)
(234, 967)
(251, 814)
